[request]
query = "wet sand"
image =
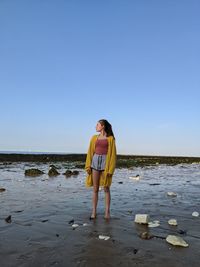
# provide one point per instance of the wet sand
(42, 210)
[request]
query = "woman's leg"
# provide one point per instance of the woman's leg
(95, 177)
(107, 202)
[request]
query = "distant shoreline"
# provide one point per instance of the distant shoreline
(123, 161)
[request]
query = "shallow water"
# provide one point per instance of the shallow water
(42, 207)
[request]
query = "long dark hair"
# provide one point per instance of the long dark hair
(107, 127)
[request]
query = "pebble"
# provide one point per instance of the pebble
(145, 235)
(172, 194)
(182, 232)
(195, 214)
(71, 221)
(142, 218)
(75, 225)
(8, 219)
(173, 222)
(104, 237)
(137, 177)
(2, 189)
(46, 220)
(176, 241)
(154, 224)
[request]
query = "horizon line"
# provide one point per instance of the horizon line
(72, 153)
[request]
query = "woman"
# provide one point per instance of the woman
(100, 164)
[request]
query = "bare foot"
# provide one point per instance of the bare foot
(93, 216)
(107, 216)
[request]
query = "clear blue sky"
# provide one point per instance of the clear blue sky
(66, 64)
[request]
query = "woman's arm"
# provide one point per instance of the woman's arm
(113, 158)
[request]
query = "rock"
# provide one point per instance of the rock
(80, 165)
(75, 172)
(104, 237)
(46, 220)
(195, 214)
(75, 225)
(154, 224)
(53, 172)
(176, 241)
(182, 232)
(68, 173)
(145, 235)
(135, 250)
(33, 172)
(8, 219)
(155, 184)
(17, 211)
(142, 218)
(171, 194)
(7, 163)
(137, 177)
(53, 166)
(2, 189)
(71, 221)
(120, 182)
(173, 222)
(85, 224)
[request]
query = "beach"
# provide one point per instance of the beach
(44, 209)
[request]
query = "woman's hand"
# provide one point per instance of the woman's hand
(109, 174)
(89, 171)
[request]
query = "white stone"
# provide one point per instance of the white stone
(171, 194)
(154, 224)
(195, 214)
(142, 218)
(173, 222)
(75, 225)
(104, 237)
(85, 224)
(136, 178)
(176, 241)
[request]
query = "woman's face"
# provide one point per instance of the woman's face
(99, 127)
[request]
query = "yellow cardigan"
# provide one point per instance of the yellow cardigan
(111, 158)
